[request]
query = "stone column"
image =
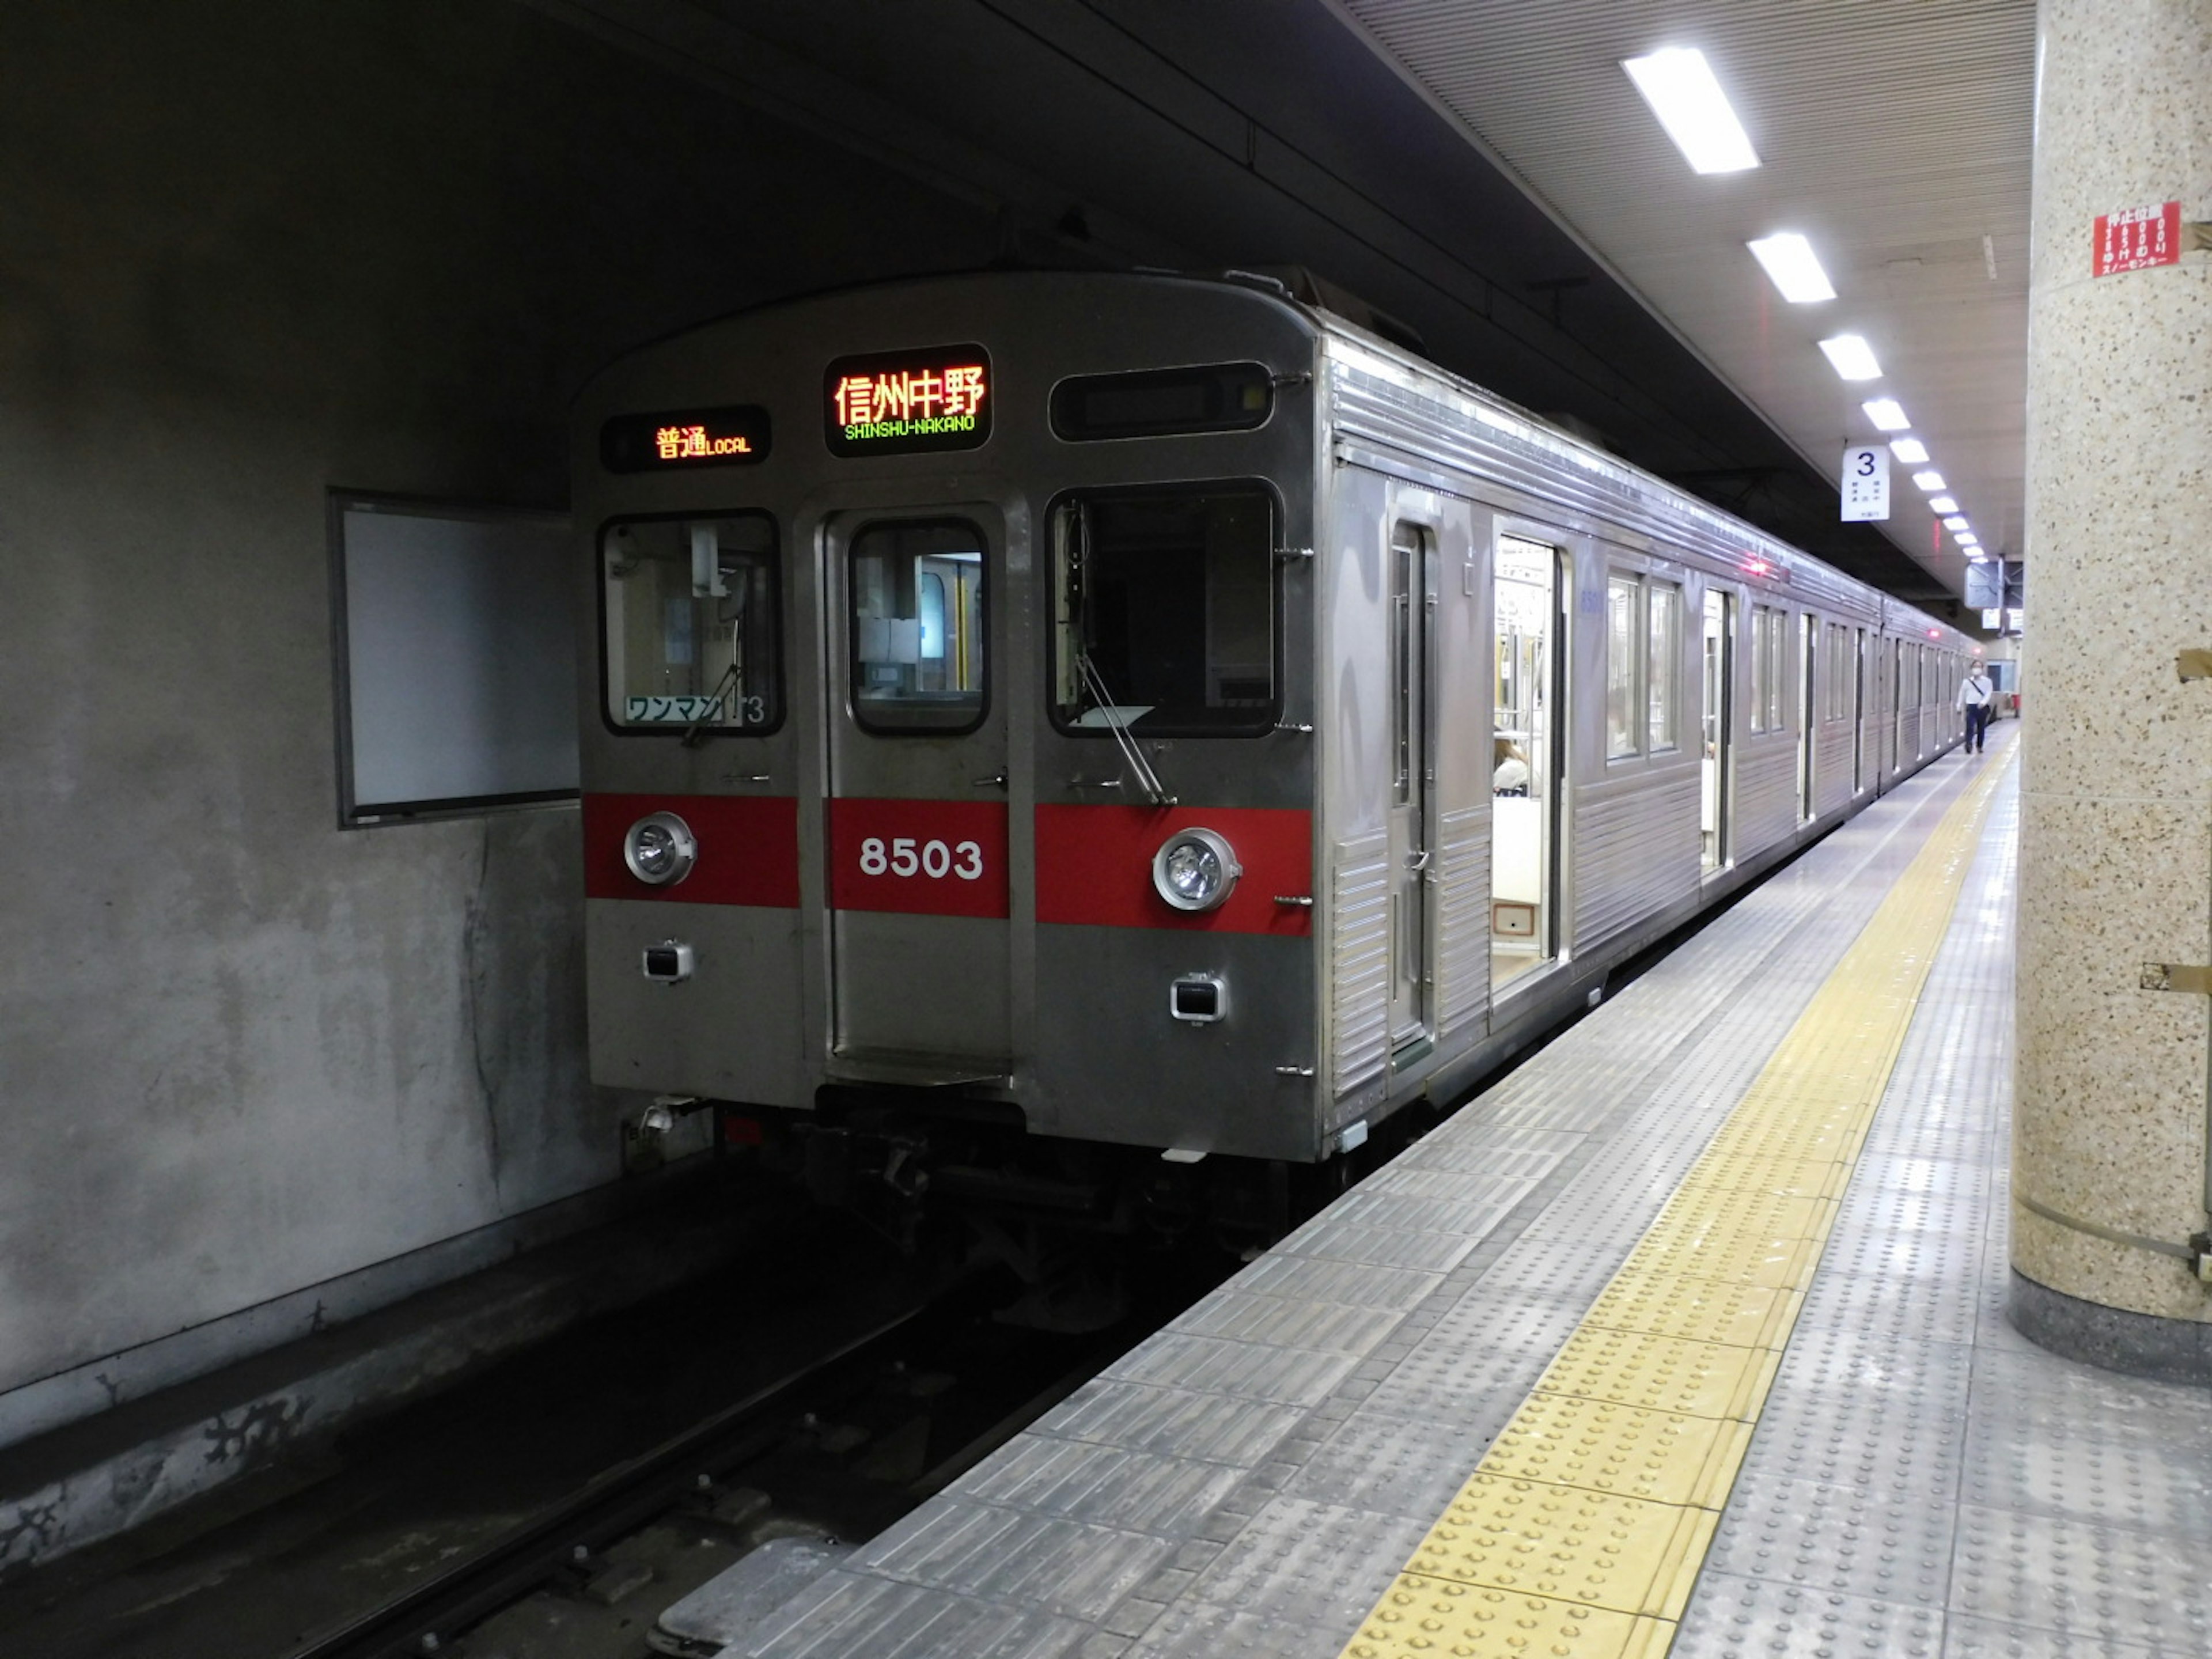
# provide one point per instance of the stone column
(2109, 1159)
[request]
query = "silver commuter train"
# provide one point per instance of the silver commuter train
(1032, 714)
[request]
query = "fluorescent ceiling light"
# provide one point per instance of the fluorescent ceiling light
(1910, 450)
(1943, 504)
(1852, 357)
(1955, 522)
(1690, 106)
(1789, 260)
(1886, 413)
(1971, 543)
(1927, 481)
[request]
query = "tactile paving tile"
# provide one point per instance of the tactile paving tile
(1174, 1422)
(1373, 1203)
(1698, 1309)
(1916, 1310)
(1006, 1558)
(1242, 1316)
(845, 1614)
(1463, 1186)
(1886, 1377)
(1661, 1373)
(1741, 1238)
(1837, 1539)
(1500, 1144)
(1490, 1323)
(1137, 1491)
(1439, 1615)
(1311, 1565)
(1250, 1371)
(1567, 1545)
(1733, 1618)
(2066, 1440)
(1333, 1238)
(1987, 1638)
(2114, 1583)
(1842, 1439)
(1789, 1176)
(1354, 1285)
(1891, 1209)
(1619, 1449)
(1458, 1394)
(1400, 1465)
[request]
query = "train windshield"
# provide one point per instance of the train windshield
(1166, 611)
(918, 640)
(692, 636)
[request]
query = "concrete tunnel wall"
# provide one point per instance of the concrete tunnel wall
(253, 251)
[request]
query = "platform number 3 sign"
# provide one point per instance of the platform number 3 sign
(1866, 482)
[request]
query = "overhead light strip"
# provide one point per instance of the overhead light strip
(1794, 267)
(1853, 358)
(1678, 85)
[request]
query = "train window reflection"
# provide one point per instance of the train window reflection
(917, 594)
(692, 636)
(1621, 735)
(1166, 612)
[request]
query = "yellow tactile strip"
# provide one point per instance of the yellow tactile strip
(1584, 1527)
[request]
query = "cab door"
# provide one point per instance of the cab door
(916, 799)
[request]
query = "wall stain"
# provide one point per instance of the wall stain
(475, 932)
(34, 1532)
(261, 1427)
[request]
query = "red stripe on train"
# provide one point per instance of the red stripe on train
(1094, 867)
(922, 858)
(748, 849)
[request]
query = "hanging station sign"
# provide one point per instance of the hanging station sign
(1866, 482)
(733, 436)
(2138, 238)
(897, 402)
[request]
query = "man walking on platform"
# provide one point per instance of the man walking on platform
(1977, 693)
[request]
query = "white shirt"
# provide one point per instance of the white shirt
(1975, 691)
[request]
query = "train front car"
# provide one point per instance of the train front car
(948, 748)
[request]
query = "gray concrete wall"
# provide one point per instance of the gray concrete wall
(252, 250)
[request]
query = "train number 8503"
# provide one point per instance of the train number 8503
(904, 856)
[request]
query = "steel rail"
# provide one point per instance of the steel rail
(611, 1504)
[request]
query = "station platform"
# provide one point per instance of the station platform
(1687, 1336)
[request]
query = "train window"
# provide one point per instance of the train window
(1621, 734)
(1164, 612)
(918, 637)
(1665, 632)
(692, 630)
(1770, 668)
(1777, 667)
(1216, 397)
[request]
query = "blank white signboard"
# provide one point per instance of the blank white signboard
(459, 652)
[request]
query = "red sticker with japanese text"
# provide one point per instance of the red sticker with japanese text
(2138, 238)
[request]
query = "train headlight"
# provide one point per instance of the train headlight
(1195, 870)
(660, 850)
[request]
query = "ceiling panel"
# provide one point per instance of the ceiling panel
(1895, 134)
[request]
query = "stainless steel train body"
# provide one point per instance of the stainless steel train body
(929, 615)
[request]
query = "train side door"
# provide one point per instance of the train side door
(916, 809)
(1413, 609)
(1719, 684)
(1529, 770)
(1808, 710)
(1858, 710)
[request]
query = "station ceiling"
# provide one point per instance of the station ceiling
(1485, 171)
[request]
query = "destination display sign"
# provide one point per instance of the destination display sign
(736, 435)
(895, 403)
